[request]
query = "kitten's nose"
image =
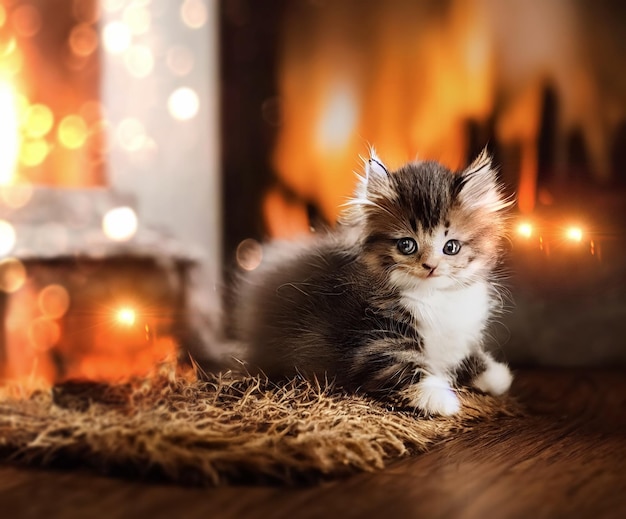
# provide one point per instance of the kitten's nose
(430, 266)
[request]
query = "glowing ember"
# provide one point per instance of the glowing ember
(9, 136)
(183, 103)
(574, 234)
(525, 229)
(126, 316)
(120, 224)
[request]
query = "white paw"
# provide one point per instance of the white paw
(495, 380)
(435, 396)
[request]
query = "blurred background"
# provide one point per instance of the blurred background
(149, 147)
(307, 85)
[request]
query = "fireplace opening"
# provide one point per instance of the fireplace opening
(308, 85)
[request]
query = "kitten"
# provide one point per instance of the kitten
(393, 302)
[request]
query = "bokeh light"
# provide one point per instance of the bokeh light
(53, 301)
(26, 20)
(180, 60)
(137, 18)
(139, 61)
(34, 152)
(38, 120)
(7, 237)
(83, 39)
(183, 103)
(12, 275)
(116, 37)
(193, 13)
(9, 132)
(86, 11)
(72, 132)
(111, 6)
(249, 254)
(16, 195)
(43, 333)
(130, 134)
(120, 223)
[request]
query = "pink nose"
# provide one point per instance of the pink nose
(430, 266)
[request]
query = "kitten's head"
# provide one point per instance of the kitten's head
(425, 226)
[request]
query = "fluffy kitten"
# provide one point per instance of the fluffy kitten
(395, 301)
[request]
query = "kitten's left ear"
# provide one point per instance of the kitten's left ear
(374, 167)
(477, 187)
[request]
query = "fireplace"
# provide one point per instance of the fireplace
(308, 85)
(109, 234)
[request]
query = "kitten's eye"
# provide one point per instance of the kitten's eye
(452, 247)
(407, 246)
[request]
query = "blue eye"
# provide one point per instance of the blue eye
(407, 246)
(452, 247)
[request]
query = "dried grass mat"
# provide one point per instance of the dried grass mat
(229, 429)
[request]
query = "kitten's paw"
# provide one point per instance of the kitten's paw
(495, 380)
(434, 395)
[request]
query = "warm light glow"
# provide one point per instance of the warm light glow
(120, 224)
(131, 134)
(525, 229)
(139, 61)
(180, 60)
(193, 13)
(137, 18)
(16, 195)
(116, 37)
(26, 20)
(338, 119)
(249, 254)
(3, 15)
(72, 132)
(54, 301)
(126, 316)
(7, 237)
(12, 275)
(43, 333)
(9, 133)
(34, 152)
(574, 234)
(39, 120)
(83, 39)
(183, 103)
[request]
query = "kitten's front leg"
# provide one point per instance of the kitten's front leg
(433, 395)
(495, 379)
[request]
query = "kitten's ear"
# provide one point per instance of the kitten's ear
(374, 167)
(477, 187)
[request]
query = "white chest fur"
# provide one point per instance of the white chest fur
(451, 322)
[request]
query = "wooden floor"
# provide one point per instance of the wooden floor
(567, 460)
